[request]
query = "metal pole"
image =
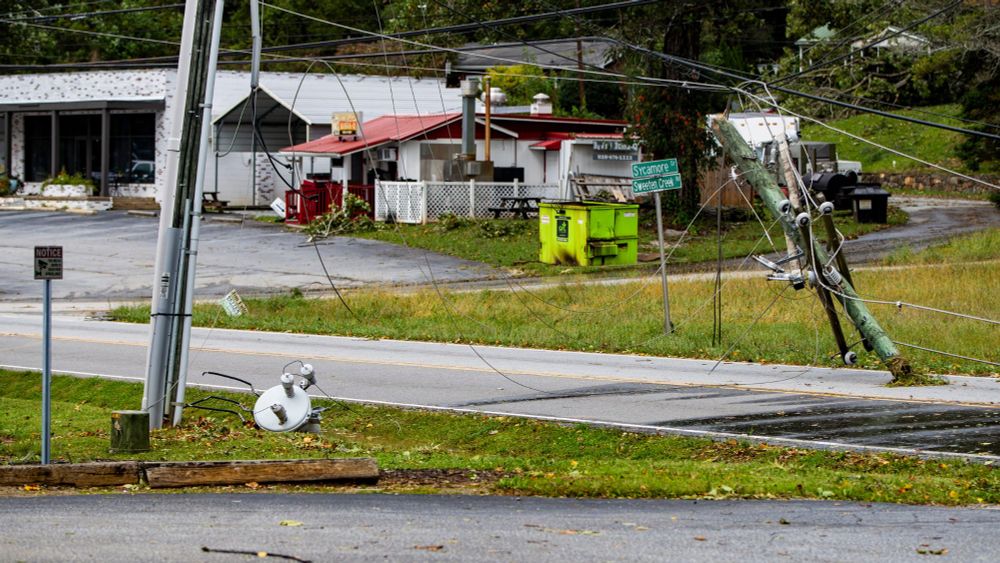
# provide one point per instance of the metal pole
(182, 157)
(191, 255)
(667, 325)
(46, 369)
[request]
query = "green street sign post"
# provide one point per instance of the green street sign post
(658, 176)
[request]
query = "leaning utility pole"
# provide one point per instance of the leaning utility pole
(180, 213)
(796, 223)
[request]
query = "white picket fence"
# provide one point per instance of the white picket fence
(420, 202)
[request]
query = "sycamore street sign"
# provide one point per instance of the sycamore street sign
(654, 168)
(655, 176)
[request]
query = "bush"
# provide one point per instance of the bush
(450, 222)
(995, 198)
(503, 229)
(351, 218)
(63, 178)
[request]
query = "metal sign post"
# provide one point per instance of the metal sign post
(48, 267)
(657, 176)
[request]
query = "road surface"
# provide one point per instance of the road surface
(332, 527)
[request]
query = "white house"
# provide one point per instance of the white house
(111, 126)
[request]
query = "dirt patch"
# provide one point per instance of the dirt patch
(439, 478)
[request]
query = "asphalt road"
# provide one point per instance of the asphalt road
(110, 256)
(931, 220)
(462, 528)
(780, 404)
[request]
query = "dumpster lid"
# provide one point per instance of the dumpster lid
(869, 191)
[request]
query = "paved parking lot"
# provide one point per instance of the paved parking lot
(110, 256)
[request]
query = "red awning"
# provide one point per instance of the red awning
(547, 145)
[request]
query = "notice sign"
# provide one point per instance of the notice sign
(233, 305)
(48, 262)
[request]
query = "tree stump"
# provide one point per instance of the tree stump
(129, 431)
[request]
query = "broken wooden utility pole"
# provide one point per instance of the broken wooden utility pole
(822, 271)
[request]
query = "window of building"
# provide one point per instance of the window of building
(37, 148)
(80, 145)
(133, 148)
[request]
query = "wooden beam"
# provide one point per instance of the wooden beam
(201, 473)
(99, 474)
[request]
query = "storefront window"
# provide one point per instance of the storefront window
(133, 148)
(37, 148)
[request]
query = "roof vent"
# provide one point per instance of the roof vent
(542, 105)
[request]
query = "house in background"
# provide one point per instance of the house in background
(893, 39)
(112, 126)
(414, 159)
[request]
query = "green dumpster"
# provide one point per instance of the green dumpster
(588, 233)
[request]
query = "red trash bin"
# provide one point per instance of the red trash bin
(312, 199)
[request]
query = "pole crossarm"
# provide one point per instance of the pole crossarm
(763, 181)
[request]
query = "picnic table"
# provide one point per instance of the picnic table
(517, 206)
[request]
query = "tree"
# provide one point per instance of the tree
(671, 120)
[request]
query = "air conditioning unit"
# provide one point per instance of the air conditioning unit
(386, 154)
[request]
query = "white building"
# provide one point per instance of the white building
(111, 126)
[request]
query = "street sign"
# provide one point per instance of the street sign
(659, 184)
(48, 262)
(654, 168)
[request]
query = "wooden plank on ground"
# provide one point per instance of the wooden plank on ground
(201, 473)
(98, 474)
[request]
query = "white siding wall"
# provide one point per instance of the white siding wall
(409, 160)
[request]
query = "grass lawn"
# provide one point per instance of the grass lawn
(513, 244)
(627, 318)
(437, 452)
(934, 145)
(984, 245)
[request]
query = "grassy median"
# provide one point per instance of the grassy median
(762, 321)
(513, 243)
(437, 452)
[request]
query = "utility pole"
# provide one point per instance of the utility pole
(180, 213)
(796, 224)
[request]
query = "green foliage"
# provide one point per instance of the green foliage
(995, 199)
(933, 145)
(450, 222)
(350, 218)
(505, 229)
(64, 178)
(520, 82)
